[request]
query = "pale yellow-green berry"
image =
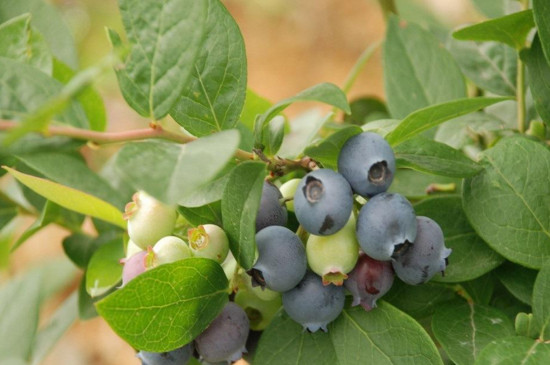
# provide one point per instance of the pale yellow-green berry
(209, 241)
(259, 312)
(170, 249)
(287, 190)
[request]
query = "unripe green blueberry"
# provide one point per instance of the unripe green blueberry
(332, 257)
(260, 312)
(287, 190)
(132, 249)
(208, 241)
(170, 249)
(148, 219)
(262, 293)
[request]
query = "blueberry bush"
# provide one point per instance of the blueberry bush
(410, 231)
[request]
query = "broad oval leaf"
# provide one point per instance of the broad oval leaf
(471, 257)
(507, 204)
(213, 99)
(384, 335)
(172, 172)
(71, 198)
(206, 214)
(539, 78)
(541, 304)
(326, 151)
(513, 351)
(104, 268)
(518, 280)
(510, 29)
(429, 117)
(168, 306)
(490, 65)
(418, 72)
(464, 329)
(240, 203)
(423, 154)
(166, 37)
(541, 12)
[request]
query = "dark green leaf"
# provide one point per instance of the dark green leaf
(104, 268)
(491, 66)
(326, 150)
(541, 302)
(480, 289)
(213, 99)
(272, 136)
(171, 172)
(302, 131)
(418, 72)
(20, 42)
(507, 303)
(206, 214)
(526, 326)
(423, 154)
(541, 12)
(86, 308)
(513, 351)
(471, 257)
(429, 117)
(419, 301)
(464, 329)
(366, 109)
(416, 185)
(510, 29)
(508, 205)
(89, 98)
(539, 78)
(8, 210)
(240, 203)
(166, 37)
(48, 22)
(80, 247)
(159, 310)
(518, 280)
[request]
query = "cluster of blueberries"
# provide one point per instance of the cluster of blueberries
(360, 253)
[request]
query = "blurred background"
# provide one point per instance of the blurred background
(291, 45)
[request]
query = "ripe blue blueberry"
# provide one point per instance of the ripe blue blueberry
(368, 163)
(272, 212)
(180, 356)
(225, 337)
(281, 262)
(386, 226)
(313, 304)
(426, 257)
(369, 280)
(323, 202)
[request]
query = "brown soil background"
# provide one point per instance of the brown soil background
(291, 45)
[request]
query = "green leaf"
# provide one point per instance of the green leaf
(206, 214)
(209, 192)
(506, 203)
(172, 172)
(429, 117)
(49, 22)
(303, 129)
(510, 29)
(539, 78)
(89, 98)
(19, 305)
(518, 280)
(355, 337)
(541, 12)
(382, 127)
(254, 104)
(464, 329)
(213, 99)
(79, 248)
(73, 172)
(8, 211)
(104, 268)
(423, 154)
(71, 198)
(240, 204)
(513, 351)
(272, 136)
(491, 66)
(20, 42)
(57, 325)
(166, 37)
(497, 8)
(325, 93)
(326, 150)
(507, 303)
(471, 257)
(416, 185)
(481, 289)
(25, 89)
(159, 310)
(366, 109)
(541, 303)
(418, 71)
(525, 325)
(420, 301)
